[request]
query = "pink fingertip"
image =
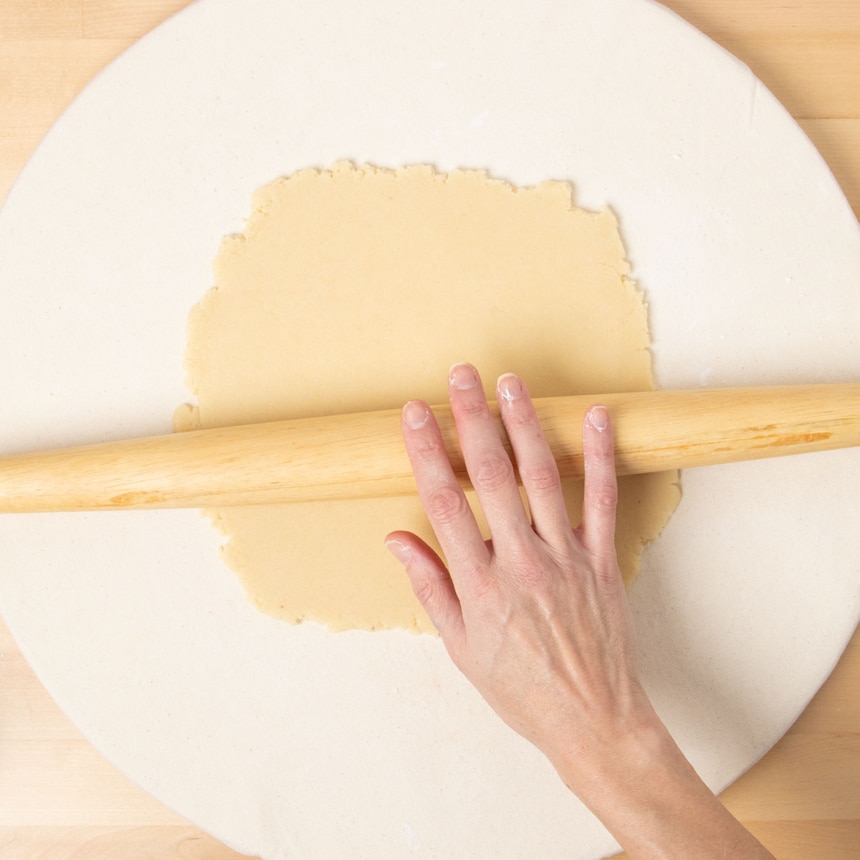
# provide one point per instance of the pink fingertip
(416, 414)
(510, 387)
(462, 376)
(598, 418)
(399, 550)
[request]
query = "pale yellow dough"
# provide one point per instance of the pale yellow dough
(355, 289)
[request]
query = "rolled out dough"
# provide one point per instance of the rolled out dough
(355, 288)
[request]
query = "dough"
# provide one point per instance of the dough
(356, 288)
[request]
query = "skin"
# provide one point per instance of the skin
(537, 619)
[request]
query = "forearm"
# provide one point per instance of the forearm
(537, 619)
(651, 799)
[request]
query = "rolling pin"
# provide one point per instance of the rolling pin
(362, 455)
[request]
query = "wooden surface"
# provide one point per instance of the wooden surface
(59, 799)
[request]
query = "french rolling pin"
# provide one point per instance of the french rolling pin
(362, 455)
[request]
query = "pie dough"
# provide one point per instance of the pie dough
(356, 288)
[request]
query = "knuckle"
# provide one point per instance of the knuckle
(493, 473)
(517, 417)
(531, 575)
(528, 567)
(425, 588)
(600, 460)
(446, 504)
(426, 444)
(483, 587)
(605, 497)
(470, 406)
(541, 479)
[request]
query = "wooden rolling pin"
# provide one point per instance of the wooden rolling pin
(362, 455)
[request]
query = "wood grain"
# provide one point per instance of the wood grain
(359, 456)
(59, 799)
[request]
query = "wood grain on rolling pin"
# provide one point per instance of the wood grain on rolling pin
(59, 799)
(362, 455)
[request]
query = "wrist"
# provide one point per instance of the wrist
(610, 765)
(639, 784)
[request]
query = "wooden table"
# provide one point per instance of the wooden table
(59, 798)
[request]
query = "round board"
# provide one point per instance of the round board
(293, 742)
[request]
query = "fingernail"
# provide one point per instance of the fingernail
(399, 550)
(415, 414)
(598, 417)
(510, 387)
(462, 377)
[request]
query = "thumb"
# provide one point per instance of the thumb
(432, 585)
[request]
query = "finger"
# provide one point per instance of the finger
(535, 462)
(600, 496)
(441, 495)
(487, 462)
(432, 585)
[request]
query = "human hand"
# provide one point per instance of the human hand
(537, 619)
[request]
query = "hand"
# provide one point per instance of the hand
(537, 617)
